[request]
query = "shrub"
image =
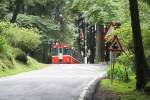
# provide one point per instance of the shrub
(24, 38)
(120, 72)
(122, 68)
(2, 66)
(2, 43)
(21, 56)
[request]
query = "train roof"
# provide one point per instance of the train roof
(60, 45)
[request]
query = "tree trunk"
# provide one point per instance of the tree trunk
(92, 44)
(16, 10)
(140, 61)
(97, 53)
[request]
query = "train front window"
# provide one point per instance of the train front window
(54, 51)
(66, 51)
(60, 50)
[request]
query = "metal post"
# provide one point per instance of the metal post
(111, 66)
(113, 56)
(85, 43)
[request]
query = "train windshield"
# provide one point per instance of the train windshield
(60, 50)
(66, 51)
(54, 51)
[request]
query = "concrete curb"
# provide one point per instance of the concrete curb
(89, 91)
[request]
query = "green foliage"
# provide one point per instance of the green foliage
(6, 54)
(145, 26)
(6, 58)
(146, 42)
(119, 86)
(126, 91)
(125, 35)
(125, 62)
(32, 64)
(125, 59)
(14, 60)
(3, 8)
(100, 10)
(45, 16)
(122, 68)
(49, 31)
(20, 56)
(47, 27)
(24, 38)
(2, 43)
(43, 24)
(5, 64)
(119, 72)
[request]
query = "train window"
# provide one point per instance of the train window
(54, 51)
(66, 51)
(60, 50)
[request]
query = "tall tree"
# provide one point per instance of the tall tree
(18, 4)
(140, 61)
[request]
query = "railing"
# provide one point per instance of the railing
(78, 56)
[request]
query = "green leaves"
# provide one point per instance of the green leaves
(125, 35)
(3, 8)
(43, 24)
(24, 38)
(123, 67)
(99, 10)
(2, 43)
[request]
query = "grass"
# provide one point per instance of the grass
(119, 86)
(126, 91)
(20, 67)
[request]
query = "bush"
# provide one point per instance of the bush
(126, 59)
(6, 62)
(120, 72)
(24, 38)
(2, 67)
(2, 43)
(21, 56)
(122, 68)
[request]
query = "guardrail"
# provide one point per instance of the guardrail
(78, 56)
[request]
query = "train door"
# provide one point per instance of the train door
(60, 55)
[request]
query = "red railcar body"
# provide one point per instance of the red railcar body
(63, 54)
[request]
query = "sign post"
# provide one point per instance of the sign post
(114, 49)
(111, 66)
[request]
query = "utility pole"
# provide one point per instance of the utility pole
(85, 41)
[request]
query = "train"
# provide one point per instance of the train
(62, 53)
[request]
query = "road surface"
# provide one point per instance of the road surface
(55, 82)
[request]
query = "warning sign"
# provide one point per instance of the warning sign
(115, 45)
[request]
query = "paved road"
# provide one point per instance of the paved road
(56, 82)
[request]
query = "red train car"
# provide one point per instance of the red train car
(63, 54)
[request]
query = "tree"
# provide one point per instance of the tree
(16, 10)
(99, 12)
(140, 61)
(3, 8)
